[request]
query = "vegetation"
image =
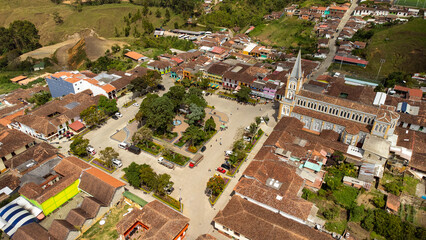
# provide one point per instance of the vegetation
(287, 32)
(106, 63)
(108, 106)
(40, 98)
(175, 157)
(216, 184)
(388, 42)
(144, 176)
(165, 43)
(146, 83)
(79, 146)
(243, 95)
(143, 135)
(107, 155)
(92, 115)
(21, 36)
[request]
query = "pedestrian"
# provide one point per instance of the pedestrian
(260, 109)
(221, 143)
(216, 139)
(237, 108)
(211, 145)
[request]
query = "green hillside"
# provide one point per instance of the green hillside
(286, 32)
(102, 18)
(402, 46)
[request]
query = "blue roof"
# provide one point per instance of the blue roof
(15, 217)
(313, 166)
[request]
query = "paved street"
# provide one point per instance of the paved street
(325, 64)
(189, 183)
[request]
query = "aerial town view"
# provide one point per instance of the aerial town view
(212, 119)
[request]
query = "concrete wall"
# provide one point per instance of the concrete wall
(228, 231)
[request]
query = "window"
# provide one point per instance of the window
(237, 234)
(225, 228)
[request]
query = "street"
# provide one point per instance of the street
(189, 183)
(325, 64)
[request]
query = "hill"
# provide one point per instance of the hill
(402, 46)
(103, 19)
(286, 32)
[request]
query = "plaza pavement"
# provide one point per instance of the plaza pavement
(189, 183)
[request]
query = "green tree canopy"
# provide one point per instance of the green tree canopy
(21, 35)
(92, 116)
(145, 83)
(79, 146)
(107, 155)
(108, 106)
(132, 174)
(176, 94)
(194, 135)
(162, 181)
(243, 95)
(143, 135)
(147, 176)
(210, 125)
(196, 116)
(40, 98)
(159, 114)
(216, 184)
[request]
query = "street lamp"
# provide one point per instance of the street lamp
(180, 200)
(380, 68)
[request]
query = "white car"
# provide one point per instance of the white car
(247, 139)
(118, 114)
(229, 152)
(136, 104)
(123, 145)
(117, 163)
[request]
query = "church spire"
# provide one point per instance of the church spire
(297, 68)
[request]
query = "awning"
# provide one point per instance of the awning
(222, 126)
(214, 85)
(76, 126)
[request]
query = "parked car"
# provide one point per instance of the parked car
(123, 145)
(169, 189)
(166, 163)
(114, 117)
(117, 163)
(203, 149)
(225, 166)
(136, 104)
(134, 149)
(91, 150)
(247, 139)
(118, 114)
(195, 160)
(219, 169)
(228, 152)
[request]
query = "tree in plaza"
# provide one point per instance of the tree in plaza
(132, 174)
(107, 155)
(236, 157)
(92, 116)
(176, 94)
(210, 125)
(252, 129)
(197, 114)
(216, 184)
(147, 176)
(160, 114)
(108, 106)
(243, 95)
(258, 120)
(195, 96)
(186, 82)
(162, 181)
(238, 145)
(204, 83)
(143, 135)
(79, 146)
(194, 135)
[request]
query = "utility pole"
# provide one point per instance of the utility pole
(180, 200)
(380, 68)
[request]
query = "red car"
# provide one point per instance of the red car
(219, 169)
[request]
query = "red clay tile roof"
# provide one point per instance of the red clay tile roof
(162, 221)
(351, 60)
(257, 223)
(114, 182)
(18, 78)
(32, 231)
(13, 140)
(76, 126)
(8, 119)
(392, 202)
(60, 229)
(108, 88)
(254, 185)
(41, 153)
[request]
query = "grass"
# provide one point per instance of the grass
(107, 231)
(410, 185)
(411, 3)
(180, 143)
(169, 201)
(176, 158)
(401, 53)
(336, 226)
(285, 32)
(346, 196)
(102, 18)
